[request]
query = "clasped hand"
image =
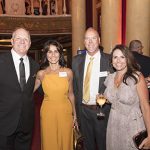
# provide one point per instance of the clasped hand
(145, 144)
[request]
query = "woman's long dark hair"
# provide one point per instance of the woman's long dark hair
(132, 65)
(44, 61)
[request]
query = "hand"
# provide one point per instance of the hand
(148, 81)
(101, 95)
(145, 144)
(75, 123)
(107, 101)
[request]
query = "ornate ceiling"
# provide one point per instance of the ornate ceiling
(41, 29)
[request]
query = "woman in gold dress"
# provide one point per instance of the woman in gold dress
(57, 114)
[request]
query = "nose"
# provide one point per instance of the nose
(90, 40)
(22, 40)
(118, 59)
(53, 53)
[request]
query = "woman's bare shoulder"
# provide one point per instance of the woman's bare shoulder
(138, 75)
(68, 71)
(40, 74)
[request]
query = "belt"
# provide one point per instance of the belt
(93, 107)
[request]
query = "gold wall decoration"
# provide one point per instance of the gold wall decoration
(44, 25)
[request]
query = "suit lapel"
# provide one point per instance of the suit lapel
(81, 70)
(12, 69)
(102, 64)
(31, 70)
(102, 68)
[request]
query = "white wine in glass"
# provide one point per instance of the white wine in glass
(100, 101)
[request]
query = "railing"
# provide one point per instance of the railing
(35, 7)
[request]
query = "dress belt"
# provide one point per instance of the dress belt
(93, 107)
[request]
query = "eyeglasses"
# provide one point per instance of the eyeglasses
(141, 47)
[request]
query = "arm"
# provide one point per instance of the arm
(144, 103)
(71, 94)
(38, 79)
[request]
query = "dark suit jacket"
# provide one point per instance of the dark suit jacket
(144, 62)
(78, 71)
(15, 105)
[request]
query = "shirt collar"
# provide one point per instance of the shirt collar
(96, 55)
(17, 57)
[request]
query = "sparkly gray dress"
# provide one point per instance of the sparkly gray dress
(125, 119)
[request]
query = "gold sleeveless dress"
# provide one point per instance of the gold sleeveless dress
(56, 114)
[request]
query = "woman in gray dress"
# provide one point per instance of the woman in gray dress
(127, 92)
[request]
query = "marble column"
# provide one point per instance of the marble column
(138, 23)
(78, 25)
(1, 9)
(111, 22)
(95, 16)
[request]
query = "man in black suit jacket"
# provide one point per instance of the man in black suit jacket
(144, 61)
(92, 128)
(16, 104)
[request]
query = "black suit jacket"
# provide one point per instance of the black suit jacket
(78, 71)
(144, 62)
(15, 105)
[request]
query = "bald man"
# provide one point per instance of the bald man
(144, 61)
(17, 79)
(92, 128)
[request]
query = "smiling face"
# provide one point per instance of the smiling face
(91, 41)
(21, 41)
(119, 61)
(53, 55)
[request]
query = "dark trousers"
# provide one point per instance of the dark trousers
(19, 140)
(93, 129)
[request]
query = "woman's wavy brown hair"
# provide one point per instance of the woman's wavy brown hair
(132, 65)
(44, 61)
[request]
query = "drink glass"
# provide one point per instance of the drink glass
(100, 99)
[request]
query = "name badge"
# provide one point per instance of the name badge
(62, 74)
(103, 74)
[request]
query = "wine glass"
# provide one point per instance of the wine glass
(100, 99)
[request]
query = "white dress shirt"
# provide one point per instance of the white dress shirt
(94, 81)
(16, 59)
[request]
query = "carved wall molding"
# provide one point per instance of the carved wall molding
(44, 25)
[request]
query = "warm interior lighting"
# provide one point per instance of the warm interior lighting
(5, 45)
(5, 40)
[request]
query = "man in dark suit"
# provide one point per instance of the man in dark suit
(17, 79)
(144, 61)
(92, 128)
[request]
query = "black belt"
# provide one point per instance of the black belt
(93, 107)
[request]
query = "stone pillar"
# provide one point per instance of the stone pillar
(78, 25)
(1, 9)
(111, 22)
(138, 23)
(95, 17)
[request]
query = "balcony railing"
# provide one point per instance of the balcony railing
(35, 7)
(38, 16)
